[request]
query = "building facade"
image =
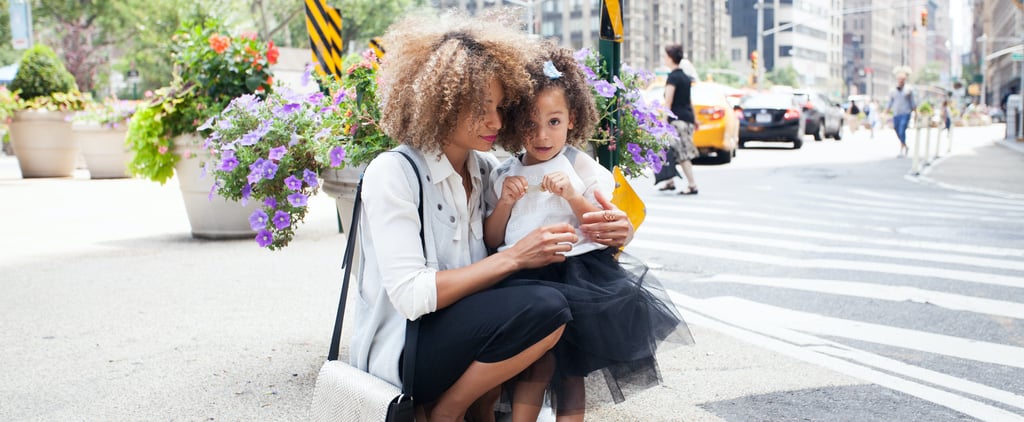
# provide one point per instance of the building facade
(998, 30)
(701, 26)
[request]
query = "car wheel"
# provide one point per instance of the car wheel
(839, 132)
(742, 145)
(820, 133)
(724, 156)
(797, 143)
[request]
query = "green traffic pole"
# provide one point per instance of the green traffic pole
(610, 48)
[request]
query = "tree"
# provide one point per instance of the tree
(8, 54)
(928, 75)
(784, 76)
(720, 71)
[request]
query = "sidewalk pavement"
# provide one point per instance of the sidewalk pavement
(112, 311)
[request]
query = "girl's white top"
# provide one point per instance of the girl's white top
(540, 208)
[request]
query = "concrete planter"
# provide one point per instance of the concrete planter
(211, 217)
(103, 148)
(43, 143)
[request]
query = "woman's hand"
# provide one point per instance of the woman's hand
(610, 227)
(544, 246)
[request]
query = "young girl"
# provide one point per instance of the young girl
(618, 316)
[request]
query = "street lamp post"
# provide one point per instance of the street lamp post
(983, 39)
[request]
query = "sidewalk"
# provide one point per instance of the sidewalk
(994, 169)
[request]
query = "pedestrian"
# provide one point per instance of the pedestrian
(443, 88)
(874, 120)
(854, 116)
(947, 120)
(901, 105)
(620, 314)
(677, 99)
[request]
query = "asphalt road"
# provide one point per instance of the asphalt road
(821, 284)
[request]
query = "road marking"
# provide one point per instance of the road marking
(873, 291)
(791, 232)
(836, 264)
(905, 207)
(806, 322)
(971, 203)
(820, 249)
(915, 213)
(792, 344)
(778, 213)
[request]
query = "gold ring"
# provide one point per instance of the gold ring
(608, 216)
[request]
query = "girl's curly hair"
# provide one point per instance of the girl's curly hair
(437, 68)
(578, 97)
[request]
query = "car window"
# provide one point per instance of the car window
(767, 101)
(706, 95)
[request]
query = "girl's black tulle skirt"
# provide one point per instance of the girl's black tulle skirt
(621, 316)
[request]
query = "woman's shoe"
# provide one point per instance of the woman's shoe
(690, 191)
(668, 187)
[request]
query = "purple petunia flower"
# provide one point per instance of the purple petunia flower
(228, 163)
(258, 220)
(306, 74)
(591, 76)
(207, 124)
(315, 98)
(634, 149)
(340, 96)
(256, 171)
(604, 89)
(247, 102)
(293, 183)
(287, 109)
(255, 135)
(277, 153)
(269, 170)
(655, 160)
(264, 238)
(337, 156)
(581, 54)
(618, 83)
(309, 177)
(246, 194)
(297, 200)
(270, 202)
(295, 140)
(282, 220)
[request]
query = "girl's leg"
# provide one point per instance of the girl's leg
(530, 385)
(481, 378)
(572, 400)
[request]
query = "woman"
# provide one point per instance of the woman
(677, 98)
(443, 86)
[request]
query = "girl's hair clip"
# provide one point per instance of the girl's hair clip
(550, 71)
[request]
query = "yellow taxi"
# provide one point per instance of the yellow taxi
(717, 136)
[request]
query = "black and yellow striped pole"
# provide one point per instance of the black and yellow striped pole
(610, 47)
(323, 23)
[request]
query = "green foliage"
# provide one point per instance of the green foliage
(153, 159)
(927, 75)
(41, 74)
(784, 76)
(925, 108)
(720, 71)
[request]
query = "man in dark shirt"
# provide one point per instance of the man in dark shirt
(677, 99)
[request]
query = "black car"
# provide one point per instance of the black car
(772, 118)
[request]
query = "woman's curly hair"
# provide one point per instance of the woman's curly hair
(437, 68)
(578, 97)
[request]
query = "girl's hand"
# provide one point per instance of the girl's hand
(610, 227)
(513, 189)
(559, 184)
(544, 246)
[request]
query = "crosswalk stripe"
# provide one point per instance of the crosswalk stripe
(990, 200)
(850, 207)
(835, 264)
(945, 300)
(821, 249)
(976, 350)
(696, 312)
(790, 232)
(784, 217)
(970, 204)
(932, 209)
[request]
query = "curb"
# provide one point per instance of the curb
(923, 176)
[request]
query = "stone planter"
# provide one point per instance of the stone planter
(43, 143)
(103, 148)
(341, 185)
(211, 217)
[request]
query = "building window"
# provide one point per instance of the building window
(737, 55)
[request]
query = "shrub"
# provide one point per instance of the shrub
(41, 74)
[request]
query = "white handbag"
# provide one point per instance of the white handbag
(346, 393)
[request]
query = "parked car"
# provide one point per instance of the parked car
(771, 117)
(822, 117)
(717, 135)
(996, 114)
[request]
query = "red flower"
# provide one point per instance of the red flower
(270, 80)
(272, 53)
(219, 43)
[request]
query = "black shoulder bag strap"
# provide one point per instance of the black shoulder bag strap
(412, 327)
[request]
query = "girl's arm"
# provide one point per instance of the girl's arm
(512, 189)
(559, 184)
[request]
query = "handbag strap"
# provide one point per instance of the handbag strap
(412, 328)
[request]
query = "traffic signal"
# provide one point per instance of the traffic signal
(753, 59)
(924, 18)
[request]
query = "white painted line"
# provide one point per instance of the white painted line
(775, 243)
(972, 203)
(694, 312)
(909, 213)
(945, 300)
(746, 311)
(964, 189)
(834, 264)
(801, 216)
(788, 232)
(930, 209)
(989, 199)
